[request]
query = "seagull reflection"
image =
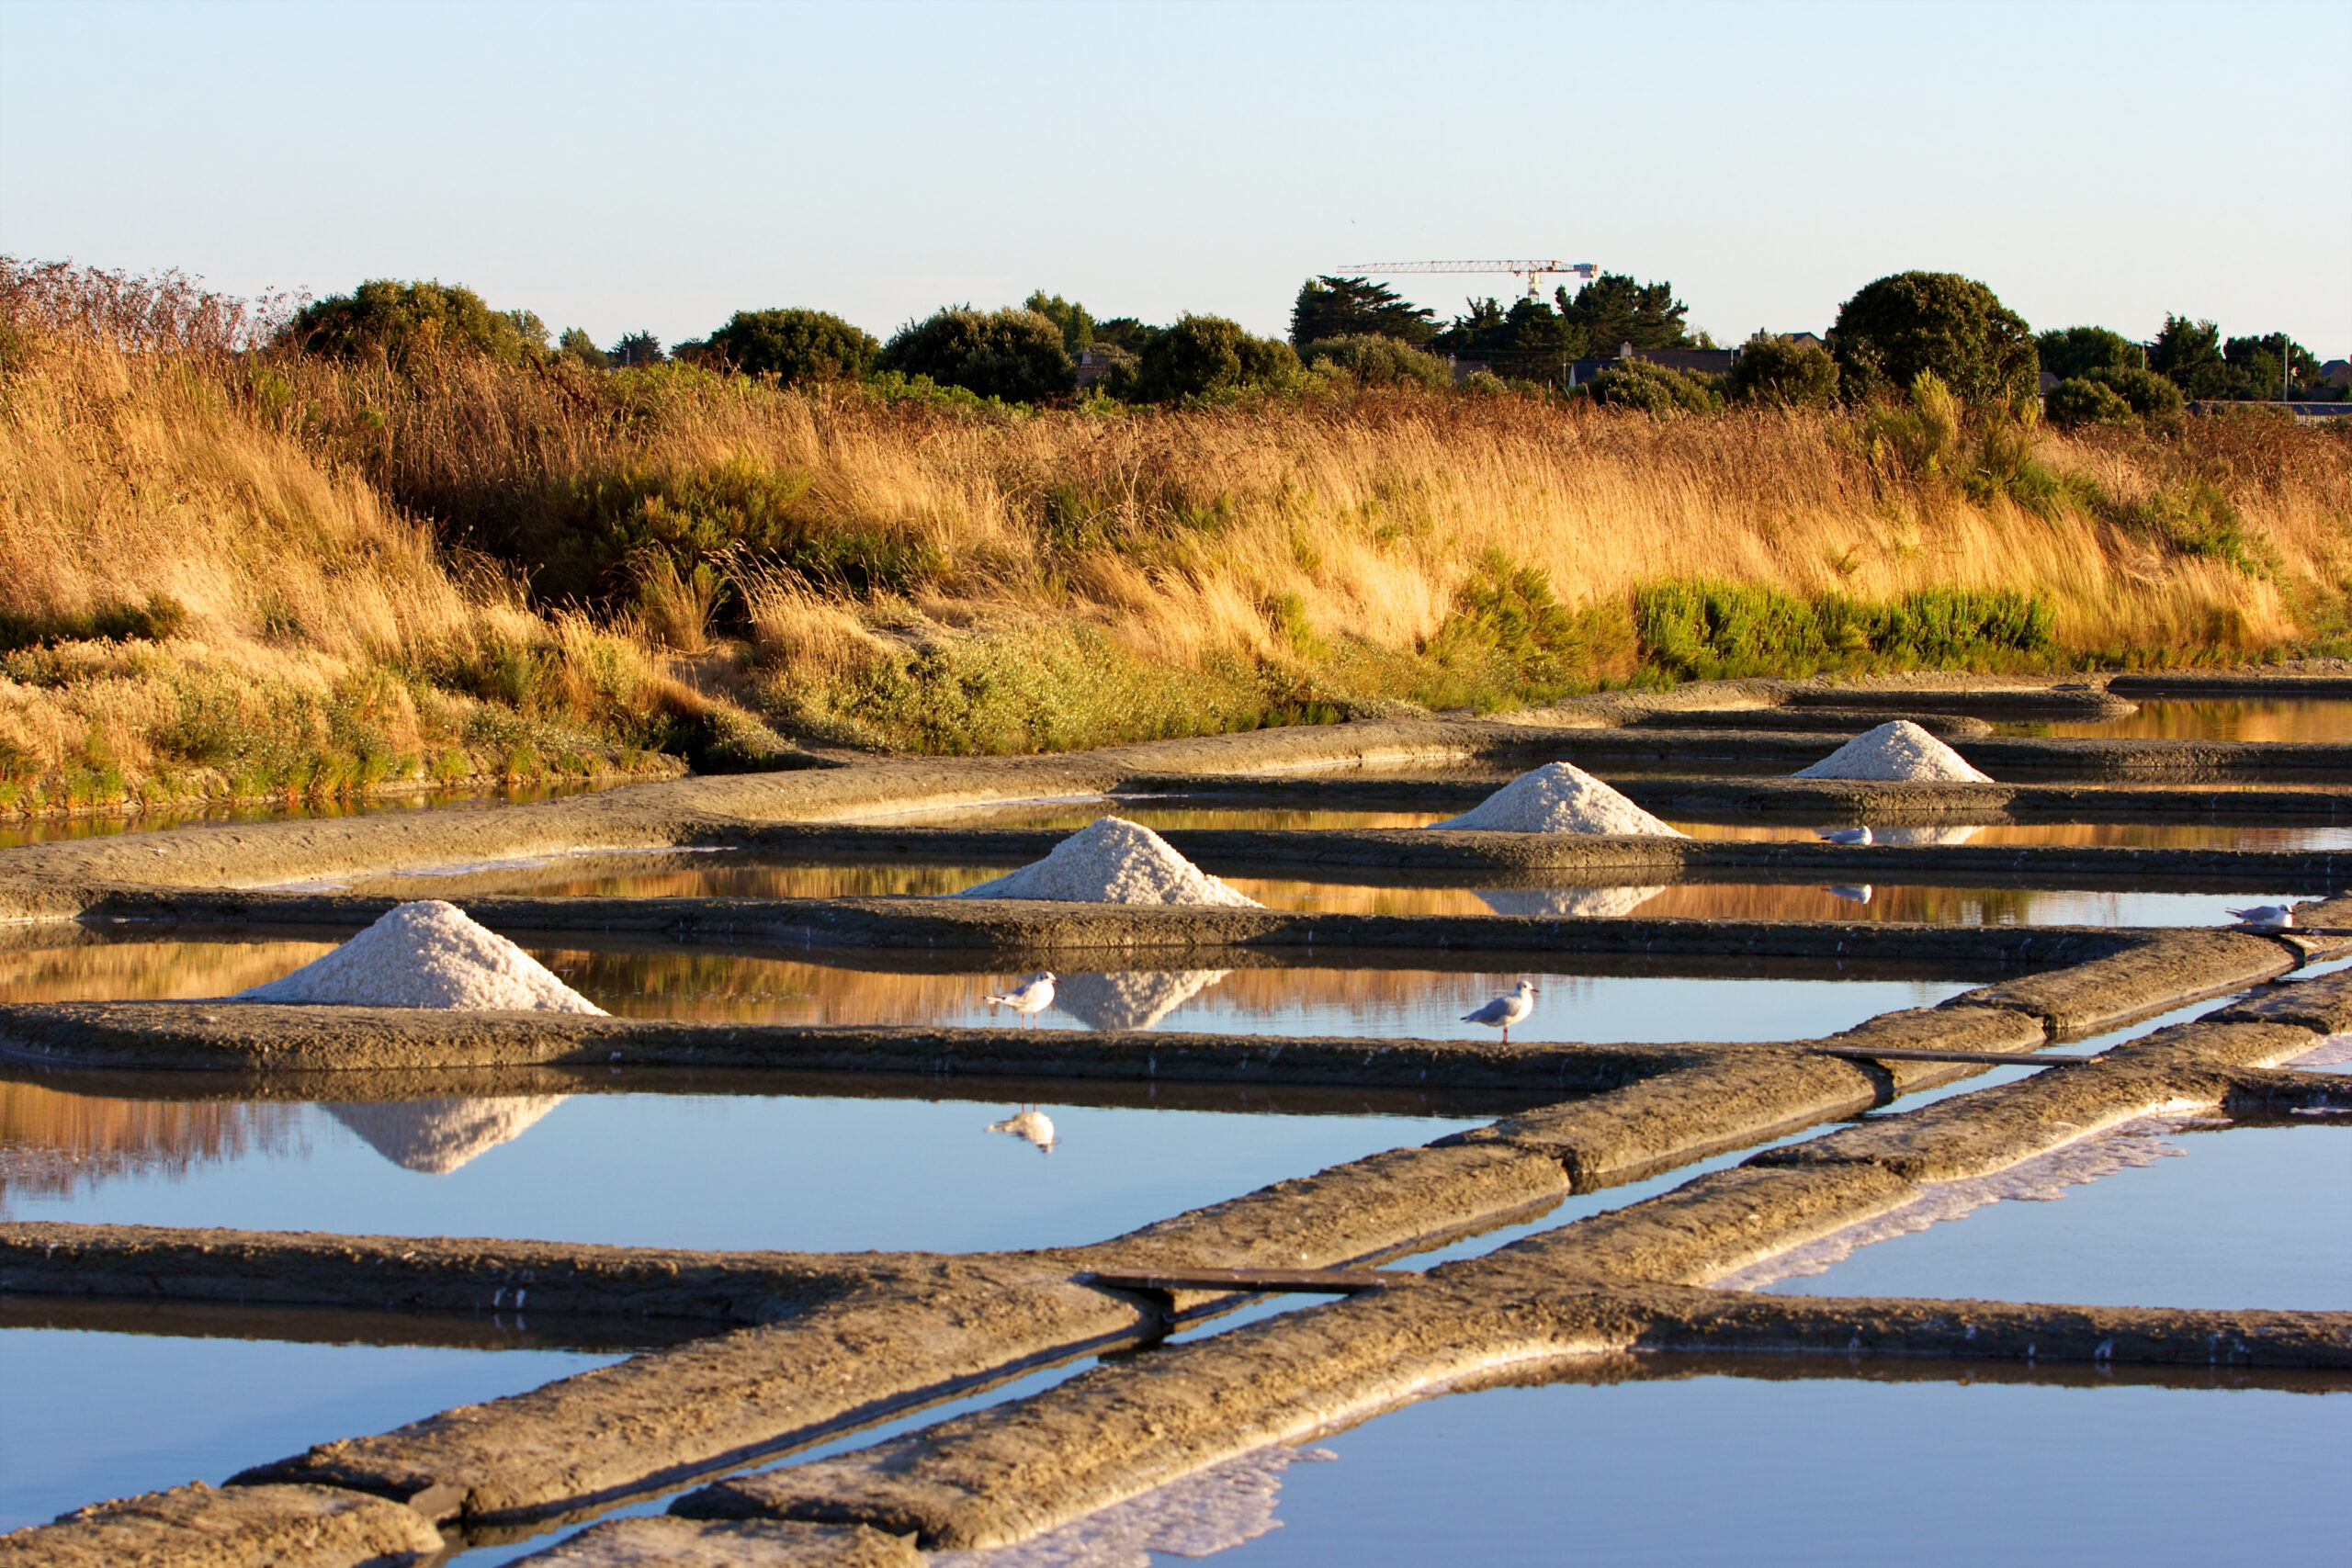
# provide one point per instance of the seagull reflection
(1030, 1125)
(1853, 893)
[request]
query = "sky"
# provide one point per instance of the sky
(624, 167)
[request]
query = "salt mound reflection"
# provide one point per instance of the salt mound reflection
(436, 1136)
(1134, 998)
(1925, 835)
(1210, 1511)
(1595, 903)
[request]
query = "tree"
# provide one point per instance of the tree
(1529, 341)
(1356, 307)
(401, 321)
(1613, 310)
(1203, 355)
(1939, 323)
(1781, 374)
(1124, 331)
(2259, 371)
(2069, 352)
(795, 346)
(2188, 354)
(1075, 321)
(636, 350)
(2151, 397)
(1014, 353)
(576, 345)
(1378, 361)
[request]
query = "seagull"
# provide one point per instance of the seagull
(1845, 835)
(1030, 998)
(1030, 1125)
(2266, 915)
(1504, 1011)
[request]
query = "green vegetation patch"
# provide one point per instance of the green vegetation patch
(156, 619)
(1706, 629)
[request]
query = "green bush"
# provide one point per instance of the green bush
(1708, 629)
(1938, 322)
(2150, 395)
(1653, 389)
(1781, 374)
(576, 345)
(1016, 355)
(2072, 353)
(795, 346)
(1202, 357)
(401, 321)
(1379, 361)
(2078, 402)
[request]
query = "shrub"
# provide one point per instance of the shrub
(2072, 353)
(1380, 361)
(159, 617)
(1204, 356)
(1016, 355)
(1654, 389)
(2078, 402)
(576, 345)
(1953, 327)
(1781, 374)
(2151, 396)
(401, 321)
(795, 346)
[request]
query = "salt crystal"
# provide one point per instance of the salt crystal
(1558, 797)
(426, 955)
(1112, 861)
(1900, 750)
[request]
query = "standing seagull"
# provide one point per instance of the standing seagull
(1030, 998)
(1845, 835)
(1504, 1011)
(2266, 915)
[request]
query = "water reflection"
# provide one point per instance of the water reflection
(1131, 998)
(1592, 903)
(435, 1136)
(2253, 719)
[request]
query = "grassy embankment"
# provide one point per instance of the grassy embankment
(242, 573)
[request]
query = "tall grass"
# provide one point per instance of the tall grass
(888, 568)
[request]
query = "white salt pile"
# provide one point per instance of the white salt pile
(1900, 750)
(1112, 861)
(1558, 797)
(426, 955)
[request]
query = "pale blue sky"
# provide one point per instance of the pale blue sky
(619, 166)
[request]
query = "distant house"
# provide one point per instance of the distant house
(2048, 380)
(2337, 373)
(1800, 339)
(1090, 363)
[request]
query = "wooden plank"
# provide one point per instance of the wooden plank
(1305, 1281)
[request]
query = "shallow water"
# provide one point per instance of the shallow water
(798, 1172)
(1782, 1461)
(127, 1412)
(1622, 998)
(2117, 835)
(2205, 1215)
(2248, 718)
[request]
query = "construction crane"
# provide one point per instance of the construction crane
(1530, 270)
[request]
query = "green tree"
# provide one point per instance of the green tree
(1124, 331)
(1781, 374)
(1379, 361)
(636, 350)
(795, 346)
(1200, 356)
(2069, 352)
(1939, 323)
(1330, 307)
(2188, 354)
(1076, 321)
(2255, 361)
(401, 321)
(576, 345)
(1013, 353)
(1528, 342)
(1613, 310)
